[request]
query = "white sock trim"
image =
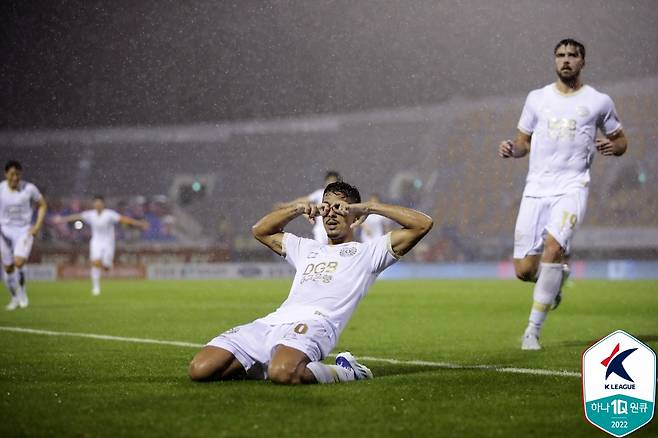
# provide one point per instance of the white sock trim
(330, 373)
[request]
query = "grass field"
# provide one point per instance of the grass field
(77, 386)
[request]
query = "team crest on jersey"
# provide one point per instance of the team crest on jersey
(582, 111)
(619, 384)
(348, 252)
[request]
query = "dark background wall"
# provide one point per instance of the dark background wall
(98, 63)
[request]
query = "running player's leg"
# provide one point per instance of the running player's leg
(96, 257)
(545, 291)
(22, 250)
(528, 243)
(215, 363)
(95, 273)
(9, 271)
(566, 213)
(11, 281)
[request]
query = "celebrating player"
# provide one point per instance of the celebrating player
(287, 345)
(319, 233)
(558, 127)
(17, 198)
(101, 247)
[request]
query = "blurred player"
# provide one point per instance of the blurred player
(17, 199)
(287, 345)
(558, 127)
(101, 247)
(316, 198)
(375, 225)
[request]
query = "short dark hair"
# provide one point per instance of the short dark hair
(99, 197)
(332, 174)
(571, 42)
(12, 163)
(350, 192)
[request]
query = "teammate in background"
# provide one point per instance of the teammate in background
(375, 225)
(319, 233)
(101, 247)
(17, 199)
(558, 127)
(287, 345)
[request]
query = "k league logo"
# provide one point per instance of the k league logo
(619, 384)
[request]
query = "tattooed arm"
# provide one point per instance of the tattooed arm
(269, 230)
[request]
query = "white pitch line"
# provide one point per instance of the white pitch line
(102, 337)
(423, 363)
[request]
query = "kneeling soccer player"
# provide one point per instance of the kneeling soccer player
(287, 345)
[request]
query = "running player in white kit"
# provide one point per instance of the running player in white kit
(558, 127)
(316, 198)
(17, 199)
(287, 345)
(375, 226)
(101, 247)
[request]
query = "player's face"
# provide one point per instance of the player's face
(13, 177)
(568, 62)
(99, 204)
(337, 226)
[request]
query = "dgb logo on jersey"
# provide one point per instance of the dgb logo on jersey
(619, 384)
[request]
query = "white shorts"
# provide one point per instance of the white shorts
(253, 344)
(103, 251)
(15, 242)
(560, 216)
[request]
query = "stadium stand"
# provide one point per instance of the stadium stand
(441, 159)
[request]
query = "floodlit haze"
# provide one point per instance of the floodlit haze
(98, 63)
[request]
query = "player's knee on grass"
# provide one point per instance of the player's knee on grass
(284, 374)
(202, 370)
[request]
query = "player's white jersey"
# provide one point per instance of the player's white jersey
(102, 224)
(330, 280)
(319, 233)
(16, 205)
(563, 129)
(373, 227)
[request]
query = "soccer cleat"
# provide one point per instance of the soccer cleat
(530, 341)
(95, 291)
(13, 304)
(347, 360)
(565, 276)
(23, 301)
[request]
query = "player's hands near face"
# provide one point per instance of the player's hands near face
(606, 147)
(506, 149)
(358, 210)
(309, 211)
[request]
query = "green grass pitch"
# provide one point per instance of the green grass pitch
(72, 386)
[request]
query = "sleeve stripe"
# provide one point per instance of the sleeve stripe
(389, 246)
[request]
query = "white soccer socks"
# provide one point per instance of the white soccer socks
(546, 289)
(330, 373)
(95, 280)
(11, 281)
